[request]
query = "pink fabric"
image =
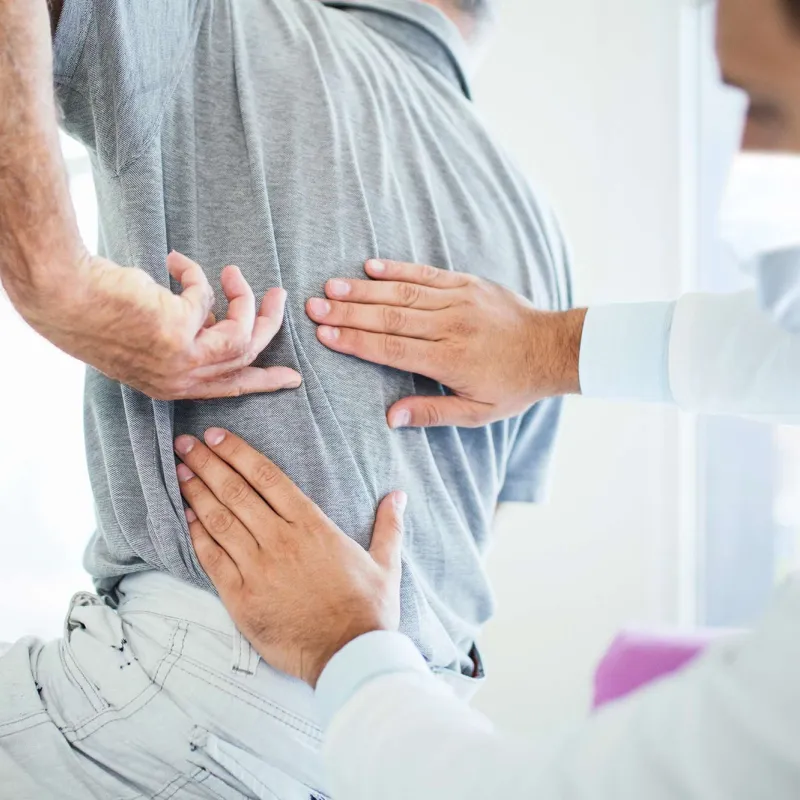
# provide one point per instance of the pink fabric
(637, 659)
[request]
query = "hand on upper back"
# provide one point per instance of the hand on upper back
(491, 347)
(166, 345)
(294, 584)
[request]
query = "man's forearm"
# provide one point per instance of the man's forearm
(40, 246)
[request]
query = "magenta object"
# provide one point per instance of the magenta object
(636, 659)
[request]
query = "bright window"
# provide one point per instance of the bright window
(749, 473)
(44, 488)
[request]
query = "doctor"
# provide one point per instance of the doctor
(729, 726)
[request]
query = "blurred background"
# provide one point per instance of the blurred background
(656, 518)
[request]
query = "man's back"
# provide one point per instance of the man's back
(297, 140)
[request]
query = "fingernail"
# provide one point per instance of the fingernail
(184, 445)
(184, 473)
(401, 419)
(214, 436)
(331, 334)
(400, 501)
(190, 516)
(376, 267)
(296, 383)
(320, 308)
(339, 288)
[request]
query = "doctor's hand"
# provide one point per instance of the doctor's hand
(166, 345)
(294, 584)
(497, 353)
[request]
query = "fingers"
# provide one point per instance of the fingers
(409, 295)
(383, 270)
(230, 339)
(268, 322)
(410, 355)
(387, 536)
(250, 380)
(378, 319)
(218, 565)
(197, 291)
(264, 476)
(219, 518)
(433, 412)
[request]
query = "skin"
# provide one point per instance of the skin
(464, 330)
(116, 319)
(260, 539)
(506, 355)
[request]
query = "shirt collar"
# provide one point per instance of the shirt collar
(440, 43)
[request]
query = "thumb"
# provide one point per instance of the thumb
(435, 412)
(387, 536)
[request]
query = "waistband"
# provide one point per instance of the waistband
(159, 593)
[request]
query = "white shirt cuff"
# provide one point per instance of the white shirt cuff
(364, 659)
(625, 352)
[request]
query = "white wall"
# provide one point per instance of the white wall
(587, 94)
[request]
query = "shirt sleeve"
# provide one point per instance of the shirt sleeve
(527, 471)
(115, 64)
(707, 353)
(725, 727)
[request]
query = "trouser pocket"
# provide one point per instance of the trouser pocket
(235, 773)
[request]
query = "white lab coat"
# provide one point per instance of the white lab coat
(707, 353)
(727, 728)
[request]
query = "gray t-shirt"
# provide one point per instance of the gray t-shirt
(298, 139)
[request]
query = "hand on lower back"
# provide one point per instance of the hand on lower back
(294, 584)
(167, 345)
(489, 346)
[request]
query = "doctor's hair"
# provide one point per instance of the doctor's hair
(478, 8)
(793, 7)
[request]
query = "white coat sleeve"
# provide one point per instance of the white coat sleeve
(727, 727)
(708, 353)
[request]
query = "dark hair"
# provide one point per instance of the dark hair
(793, 7)
(481, 7)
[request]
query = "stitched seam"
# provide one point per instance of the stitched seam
(263, 706)
(153, 686)
(45, 718)
(236, 686)
(159, 615)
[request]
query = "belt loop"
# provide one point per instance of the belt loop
(244, 658)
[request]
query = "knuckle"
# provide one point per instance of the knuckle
(267, 475)
(234, 492)
(394, 349)
(431, 415)
(394, 319)
(409, 293)
(429, 273)
(220, 520)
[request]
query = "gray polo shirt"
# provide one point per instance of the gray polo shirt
(298, 139)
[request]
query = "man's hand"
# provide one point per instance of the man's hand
(495, 351)
(166, 345)
(294, 584)
(118, 320)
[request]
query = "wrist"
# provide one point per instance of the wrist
(555, 348)
(315, 669)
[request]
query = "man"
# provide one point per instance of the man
(296, 139)
(728, 727)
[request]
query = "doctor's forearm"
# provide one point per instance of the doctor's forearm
(40, 246)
